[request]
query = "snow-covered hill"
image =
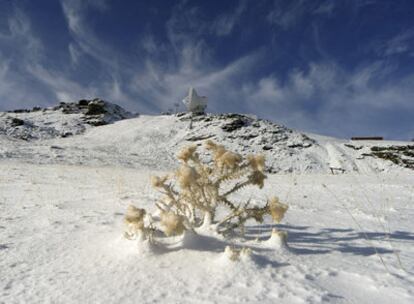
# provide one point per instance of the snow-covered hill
(99, 133)
(68, 173)
(63, 120)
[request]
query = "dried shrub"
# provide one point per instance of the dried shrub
(192, 194)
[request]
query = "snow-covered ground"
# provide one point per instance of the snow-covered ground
(61, 242)
(62, 201)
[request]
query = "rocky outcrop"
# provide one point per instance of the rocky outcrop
(96, 112)
(248, 135)
(248, 130)
(63, 120)
(15, 122)
(399, 155)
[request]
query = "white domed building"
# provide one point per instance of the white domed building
(195, 103)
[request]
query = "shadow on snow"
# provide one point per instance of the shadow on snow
(308, 240)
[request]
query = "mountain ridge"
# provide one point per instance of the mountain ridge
(96, 132)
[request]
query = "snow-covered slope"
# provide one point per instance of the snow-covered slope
(67, 175)
(63, 120)
(61, 242)
(153, 141)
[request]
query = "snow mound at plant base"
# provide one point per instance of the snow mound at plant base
(154, 141)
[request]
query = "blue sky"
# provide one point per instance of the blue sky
(335, 67)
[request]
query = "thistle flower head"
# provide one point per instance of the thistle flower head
(134, 218)
(229, 160)
(210, 145)
(277, 209)
(158, 181)
(257, 178)
(186, 175)
(256, 162)
(134, 214)
(187, 153)
(172, 223)
(218, 150)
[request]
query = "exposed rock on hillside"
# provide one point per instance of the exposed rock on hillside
(247, 129)
(399, 155)
(44, 123)
(248, 134)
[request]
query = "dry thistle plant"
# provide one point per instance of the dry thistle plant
(192, 194)
(134, 221)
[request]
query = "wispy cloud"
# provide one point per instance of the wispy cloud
(224, 24)
(75, 53)
(64, 88)
(109, 83)
(316, 98)
(165, 69)
(401, 43)
(287, 13)
(166, 87)
(313, 95)
(19, 37)
(18, 90)
(189, 61)
(19, 48)
(75, 12)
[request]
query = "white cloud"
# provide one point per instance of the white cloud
(20, 38)
(327, 99)
(25, 78)
(323, 97)
(75, 12)
(286, 16)
(75, 53)
(316, 98)
(19, 48)
(61, 85)
(401, 43)
(16, 89)
(170, 67)
(187, 60)
(185, 24)
(224, 24)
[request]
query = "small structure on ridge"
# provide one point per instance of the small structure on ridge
(194, 103)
